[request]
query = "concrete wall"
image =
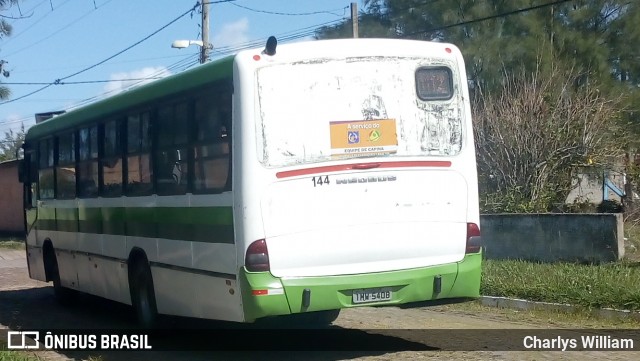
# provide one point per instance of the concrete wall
(11, 213)
(587, 187)
(553, 237)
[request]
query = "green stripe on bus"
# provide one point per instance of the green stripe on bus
(67, 219)
(198, 224)
(113, 221)
(90, 220)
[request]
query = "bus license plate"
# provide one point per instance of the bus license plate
(372, 295)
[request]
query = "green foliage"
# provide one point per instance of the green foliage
(514, 200)
(10, 145)
(610, 206)
(591, 286)
(535, 75)
(578, 207)
(535, 133)
(7, 355)
(5, 30)
(592, 35)
(12, 243)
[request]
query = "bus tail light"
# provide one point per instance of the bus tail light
(474, 241)
(257, 257)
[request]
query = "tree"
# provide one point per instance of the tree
(515, 49)
(538, 131)
(5, 30)
(11, 144)
(597, 37)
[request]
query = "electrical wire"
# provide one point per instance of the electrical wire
(331, 12)
(32, 26)
(58, 81)
(283, 37)
(289, 37)
(491, 17)
(54, 33)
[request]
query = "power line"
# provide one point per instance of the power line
(131, 46)
(189, 60)
(54, 33)
(58, 81)
(389, 12)
(292, 35)
(496, 16)
(136, 60)
(82, 81)
(185, 63)
(331, 12)
(32, 26)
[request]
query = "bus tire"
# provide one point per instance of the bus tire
(63, 295)
(143, 296)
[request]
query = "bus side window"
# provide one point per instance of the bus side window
(111, 159)
(66, 167)
(171, 157)
(139, 167)
(88, 164)
(27, 172)
(46, 180)
(212, 145)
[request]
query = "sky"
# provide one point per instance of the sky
(55, 39)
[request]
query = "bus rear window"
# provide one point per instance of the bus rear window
(329, 109)
(434, 83)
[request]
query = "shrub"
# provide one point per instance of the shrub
(610, 206)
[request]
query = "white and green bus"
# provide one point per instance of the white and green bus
(301, 179)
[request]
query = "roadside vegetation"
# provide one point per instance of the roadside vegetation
(612, 285)
(576, 319)
(6, 355)
(11, 243)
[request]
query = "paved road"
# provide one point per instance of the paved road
(10, 258)
(27, 304)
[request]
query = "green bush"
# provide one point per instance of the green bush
(610, 206)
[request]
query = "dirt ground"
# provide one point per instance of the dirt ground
(377, 333)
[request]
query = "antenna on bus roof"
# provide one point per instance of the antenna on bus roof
(270, 49)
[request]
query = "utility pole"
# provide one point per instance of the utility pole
(204, 51)
(354, 18)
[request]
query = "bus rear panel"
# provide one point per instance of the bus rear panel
(356, 180)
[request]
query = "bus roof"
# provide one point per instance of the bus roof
(201, 75)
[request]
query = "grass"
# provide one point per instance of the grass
(577, 319)
(6, 355)
(17, 356)
(613, 285)
(632, 240)
(11, 243)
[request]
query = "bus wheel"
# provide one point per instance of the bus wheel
(63, 295)
(143, 296)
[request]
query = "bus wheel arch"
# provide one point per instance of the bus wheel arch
(141, 289)
(63, 295)
(48, 257)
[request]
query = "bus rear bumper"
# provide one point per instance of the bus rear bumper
(264, 295)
